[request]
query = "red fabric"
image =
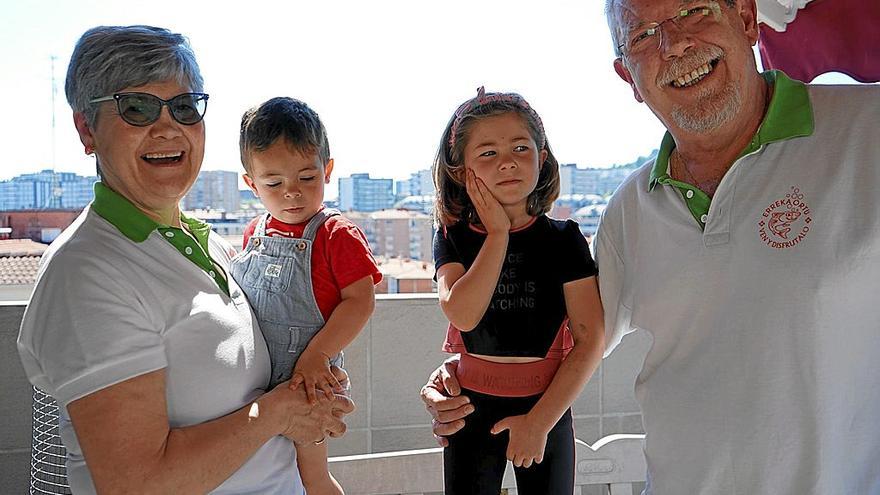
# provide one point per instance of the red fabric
(340, 256)
(827, 36)
(505, 379)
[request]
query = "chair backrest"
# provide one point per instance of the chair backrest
(48, 474)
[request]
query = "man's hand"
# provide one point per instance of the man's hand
(527, 440)
(307, 422)
(443, 399)
(313, 371)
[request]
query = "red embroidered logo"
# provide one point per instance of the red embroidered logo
(785, 222)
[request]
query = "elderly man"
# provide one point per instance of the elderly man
(750, 251)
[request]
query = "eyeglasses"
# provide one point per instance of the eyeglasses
(692, 19)
(142, 109)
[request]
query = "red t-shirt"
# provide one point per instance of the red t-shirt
(340, 256)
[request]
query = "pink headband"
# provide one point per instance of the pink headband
(484, 99)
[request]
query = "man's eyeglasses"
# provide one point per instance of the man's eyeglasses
(692, 19)
(142, 109)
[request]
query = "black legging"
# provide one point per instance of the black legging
(474, 461)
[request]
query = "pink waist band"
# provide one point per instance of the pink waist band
(506, 379)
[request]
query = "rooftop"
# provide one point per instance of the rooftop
(405, 268)
(21, 247)
(20, 261)
(391, 214)
(19, 270)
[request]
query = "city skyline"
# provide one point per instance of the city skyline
(418, 183)
(385, 76)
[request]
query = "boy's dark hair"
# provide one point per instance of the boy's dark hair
(283, 117)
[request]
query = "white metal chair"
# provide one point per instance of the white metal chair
(48, 474)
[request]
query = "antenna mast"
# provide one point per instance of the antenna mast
(54, 199)
(54, 90)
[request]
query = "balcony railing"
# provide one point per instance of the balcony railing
(614, 462)
(388, 447)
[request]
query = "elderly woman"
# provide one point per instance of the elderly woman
(135, 327)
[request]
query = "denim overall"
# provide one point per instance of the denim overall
(275, 274)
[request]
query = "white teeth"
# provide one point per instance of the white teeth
(695, 76)
(157, 156)
(699, 71)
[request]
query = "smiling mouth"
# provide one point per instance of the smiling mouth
(696, 75)
(163, 158)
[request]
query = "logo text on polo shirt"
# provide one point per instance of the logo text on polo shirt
(786, 222)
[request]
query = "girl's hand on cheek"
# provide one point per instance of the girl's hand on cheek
(491, 213)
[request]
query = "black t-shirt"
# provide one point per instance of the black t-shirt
(528, 305)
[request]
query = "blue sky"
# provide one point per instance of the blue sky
(384, 75)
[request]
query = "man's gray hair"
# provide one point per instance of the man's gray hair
(611, 17)
(107, 59)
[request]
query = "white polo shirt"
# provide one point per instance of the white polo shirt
(763, 304)
(118, 296)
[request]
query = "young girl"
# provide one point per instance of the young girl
(519, 290)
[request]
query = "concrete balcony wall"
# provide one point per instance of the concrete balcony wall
(16, 395)
(388, 364)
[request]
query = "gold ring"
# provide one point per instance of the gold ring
(319, 442)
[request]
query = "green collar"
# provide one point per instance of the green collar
(137, 226)
(132, 222)
(789, 115)
(199, 229)
(126, 217)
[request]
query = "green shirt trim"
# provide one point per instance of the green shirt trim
(137, 226)
(789, 115)
(126, 217)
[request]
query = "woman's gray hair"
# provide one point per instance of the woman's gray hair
(107, 59)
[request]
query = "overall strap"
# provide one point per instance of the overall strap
(316, 221)
(260, 229)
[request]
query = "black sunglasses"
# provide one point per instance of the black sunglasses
(142, 109)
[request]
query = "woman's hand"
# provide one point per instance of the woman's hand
(491, 213)
(313, 371)
(342, 377)
(527, 439)
(130, 447)
(304, 421)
